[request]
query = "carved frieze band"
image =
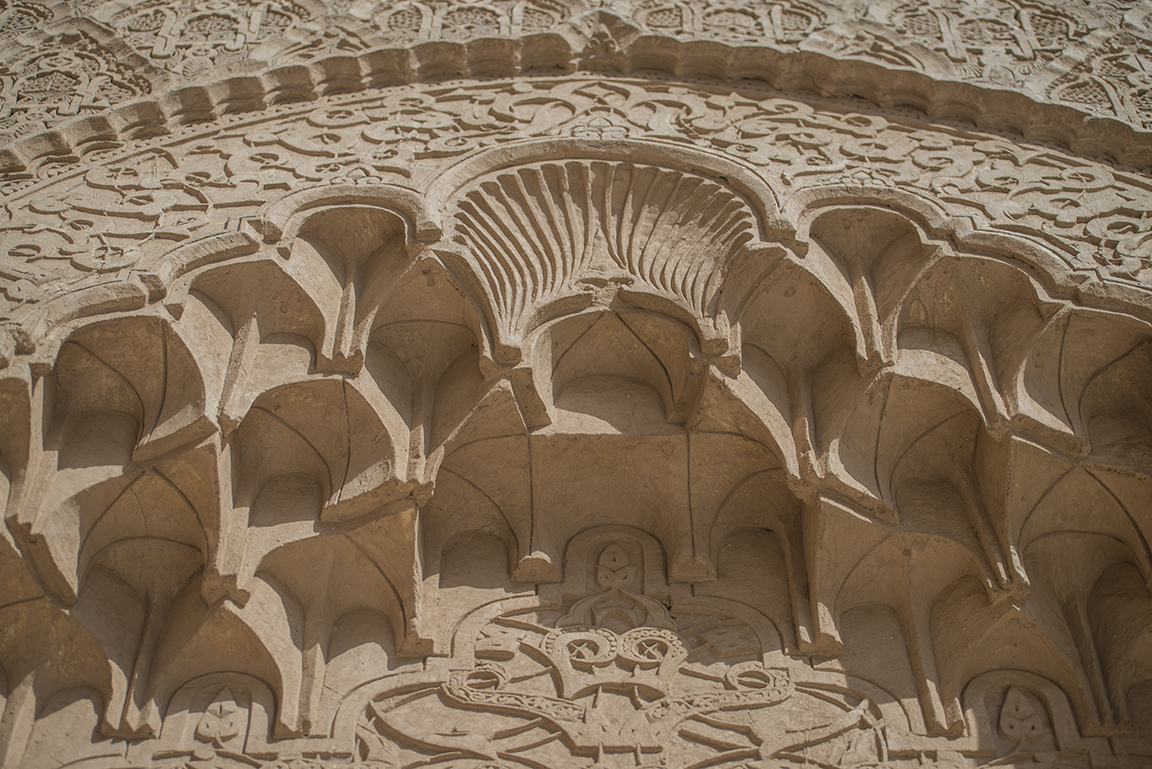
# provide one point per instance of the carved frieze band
(1007, 64)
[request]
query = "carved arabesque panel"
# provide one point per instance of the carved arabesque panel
(66, 76)
(618, 675)
(1112, 81)
(189, 38)
(413, 21)
(997, 42)
(774, 23)
(142, 197)
(1016, 59)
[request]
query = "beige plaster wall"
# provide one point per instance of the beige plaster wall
(505, 385)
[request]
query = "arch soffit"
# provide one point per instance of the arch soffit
(285, 218)
(42, 332)
(290, 215)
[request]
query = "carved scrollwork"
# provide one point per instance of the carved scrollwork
(610, 696)
(1089, 213)
(650, 647)
(189, 38)
(68, 76)
(1087, 59)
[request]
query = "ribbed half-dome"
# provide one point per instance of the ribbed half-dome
(543, 232)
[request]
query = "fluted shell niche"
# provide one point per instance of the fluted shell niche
(508, 385)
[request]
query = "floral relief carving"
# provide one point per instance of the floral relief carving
(288, 431)
(619, 679)
(1115, 80)
(118, 215)
(191, 37)
(996, 41)
(69, 76)
(778, 23)
(440, 20)
(19, 17)
(1085, 58)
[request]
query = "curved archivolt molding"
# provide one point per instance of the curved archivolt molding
(122, 69)
(894, 406)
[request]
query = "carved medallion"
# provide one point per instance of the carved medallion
(620, 678)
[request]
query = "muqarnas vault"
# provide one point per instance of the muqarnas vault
(532, 384)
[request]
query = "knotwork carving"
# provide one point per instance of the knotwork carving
(65, 77)
(189, 37)
(643, 695)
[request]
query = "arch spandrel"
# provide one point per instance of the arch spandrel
(601, 421)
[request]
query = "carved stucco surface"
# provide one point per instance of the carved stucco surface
(1038, 67)
(102, 225)
(527, 385)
